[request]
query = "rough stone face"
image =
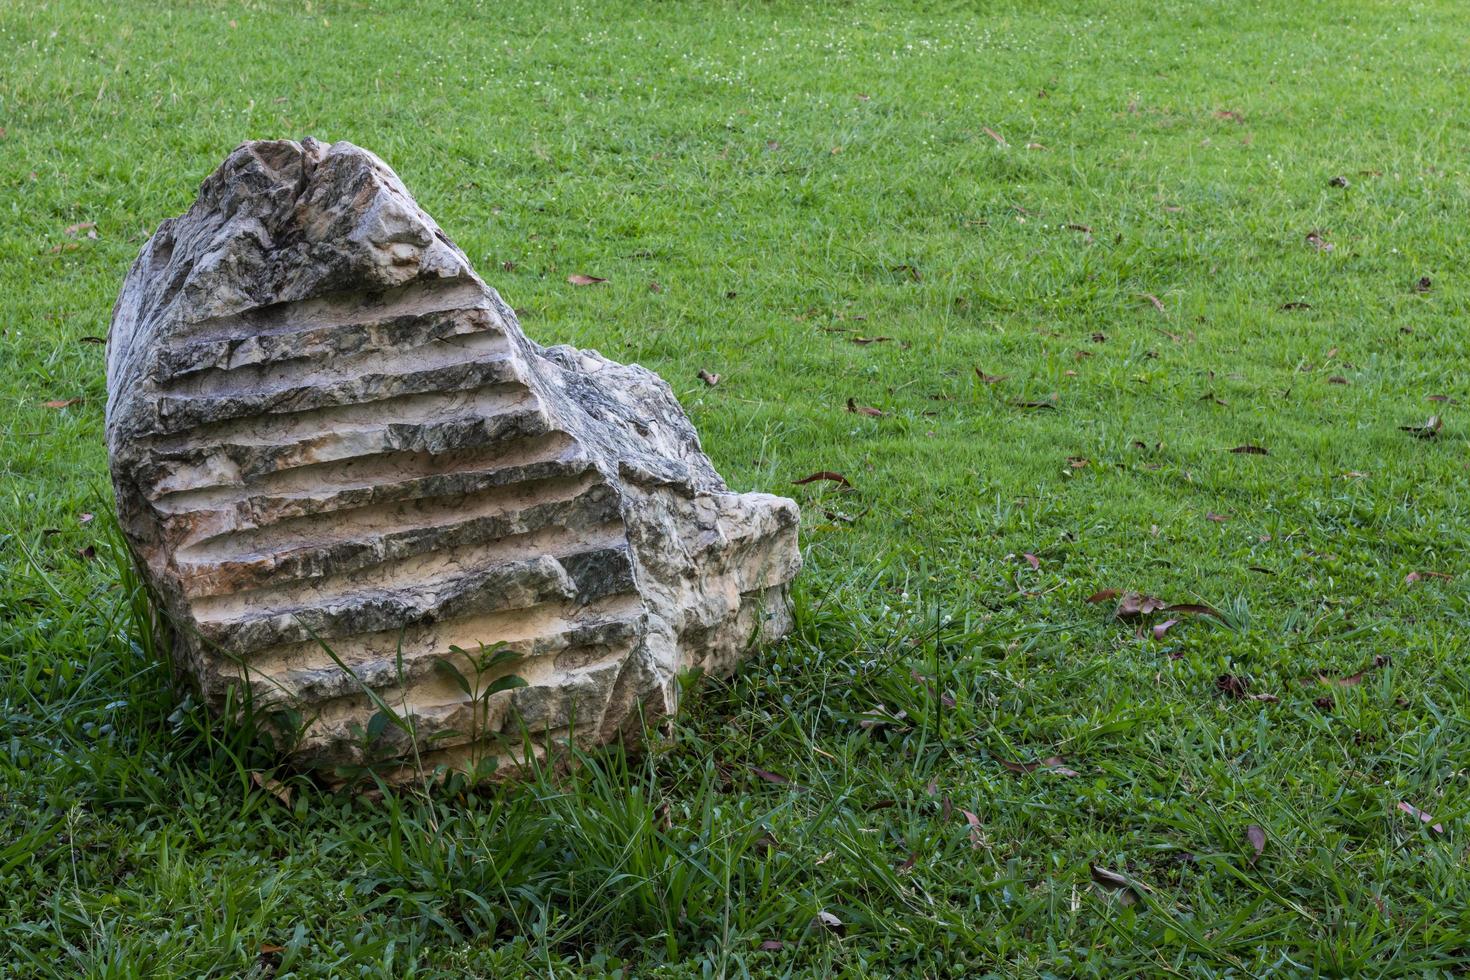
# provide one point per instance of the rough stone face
(328, 434)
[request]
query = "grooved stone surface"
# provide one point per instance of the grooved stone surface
(326, 431)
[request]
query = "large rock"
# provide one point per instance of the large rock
(343, 467)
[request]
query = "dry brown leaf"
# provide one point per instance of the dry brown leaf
(1316, 240)
(827, 475)
(1047, 403)
(709, 378)
(1256, 834)
(1421, 816)
(995, 136)
(880, 716)
(1413, 577)
(654, 287)
(1128, 890)
(1231, 685)
(1337, 379)
(828, 921)
(1102, 595)
(61, 403)
(1136, 604)
(870, 340)
(1078, 462)
(1055, 764)
(1194, 609)
(1217, 518)
(578, 279)
(1428, 430)
(771, 777)
(944, 698)
(272, 786)
(1249, 450)
(1351, 680)
(854, 407)
(1239, 689)
(977, 838)
(990, 379)
(1158, 304)
(1164, 627)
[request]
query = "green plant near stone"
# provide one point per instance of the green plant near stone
(489, 675)
(382, 755)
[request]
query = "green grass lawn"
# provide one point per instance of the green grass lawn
(1129, 220)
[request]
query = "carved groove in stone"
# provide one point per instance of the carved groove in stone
(324, 428)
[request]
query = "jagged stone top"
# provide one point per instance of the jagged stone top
(282, 222)
(278, 222)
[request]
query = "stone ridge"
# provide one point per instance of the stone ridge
(330, 441)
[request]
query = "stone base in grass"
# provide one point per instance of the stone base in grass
(352, 479)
